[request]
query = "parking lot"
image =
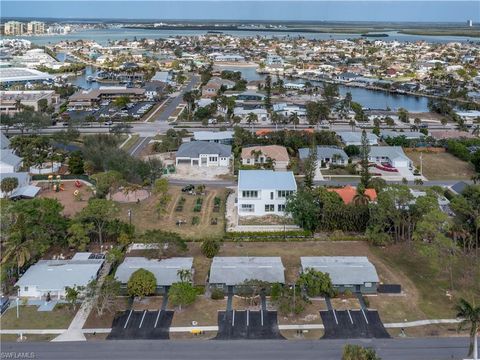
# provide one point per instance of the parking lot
(133, 325)
(352, 324)
(108, 111)
(246, 324)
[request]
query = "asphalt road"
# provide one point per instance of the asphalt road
(387, 349)
(172, 105)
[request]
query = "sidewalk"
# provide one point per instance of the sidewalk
(75, 330)
(180, 329)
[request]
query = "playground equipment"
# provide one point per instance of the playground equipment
(78, 184)
(56, 183)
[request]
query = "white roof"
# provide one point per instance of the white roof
(212, 135)
(235, 270)
(391, 152)
(356, 137)
(343, 270)
(266, 179)
(52, 275)
(22, 74)
(165, 270)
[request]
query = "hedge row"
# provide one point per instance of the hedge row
(65, 177)
(295, 235)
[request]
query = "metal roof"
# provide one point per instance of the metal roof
(8, 157)
(408, 134)
(235, 270)
(51, 275)
(193, 149)
(165, 270)
(343, 270)
(4, 142)
(266, 179)
(22, 74)
(323, 152)
(212, 135)
(28, 191)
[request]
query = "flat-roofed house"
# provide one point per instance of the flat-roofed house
(234, 271)
(264, 192)
(353, 273)
(260, 155)
(203, 154)
(9, 99)
(166, 271)
(221, 137)
(88, 98)
(53, 276)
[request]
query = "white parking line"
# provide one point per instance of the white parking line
(248, 315)
(233, 318)
(143, 317)
(335, 316)
(350, 316)
(365, 316)
(158, 316)
(128, 318)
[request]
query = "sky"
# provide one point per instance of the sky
(296, 10)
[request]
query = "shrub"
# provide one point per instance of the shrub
(210, 248)
(195, 220)
(141, 283)
(217, 294)
(347, 293)
(182, 293)
(275, 292)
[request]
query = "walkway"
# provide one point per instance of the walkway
(75, 330)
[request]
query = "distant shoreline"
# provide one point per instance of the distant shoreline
(370, 32)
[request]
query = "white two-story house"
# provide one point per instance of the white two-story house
(264, 192)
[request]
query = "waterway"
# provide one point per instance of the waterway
(103, 36)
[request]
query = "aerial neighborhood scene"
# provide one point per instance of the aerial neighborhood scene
(261, 180)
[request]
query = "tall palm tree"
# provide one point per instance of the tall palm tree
(252, 118)
(470, 315)
(294, 119)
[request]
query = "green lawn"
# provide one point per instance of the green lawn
(30, 318)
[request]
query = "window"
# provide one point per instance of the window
(281, 207)
(269, 208)
(213, 159)
(271, 195)
(26, 288)
(284, 193)
(368, 284)
(247, 208)
(249, 193)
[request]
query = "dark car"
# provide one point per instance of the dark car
(4, 304)
(188, 188)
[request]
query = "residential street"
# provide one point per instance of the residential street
(387, 349)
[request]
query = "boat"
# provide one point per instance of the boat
(90, 79)
(375, 35)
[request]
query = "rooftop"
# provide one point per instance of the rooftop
(193, 149)
(57, 274)
(266, 179)
(235, 270)
(343, 270)
(275, 152)
(323, 152)
(348, 193)
(22, 74)
(212, 135)
(165, 270)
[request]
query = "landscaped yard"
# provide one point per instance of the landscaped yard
(180, 215)
(29, 318)
(442, 166)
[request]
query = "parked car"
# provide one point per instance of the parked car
(188, 188)
(4, 304)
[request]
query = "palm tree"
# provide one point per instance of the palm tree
(470, 315)
(252, 118)
(185, 275)
(294, 119)
(361, 198)
(275, 119)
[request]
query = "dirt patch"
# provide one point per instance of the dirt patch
(148, 303)
(265, 220)
(71, 204)
(437, 330)
(345, 304)
(310, 315)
